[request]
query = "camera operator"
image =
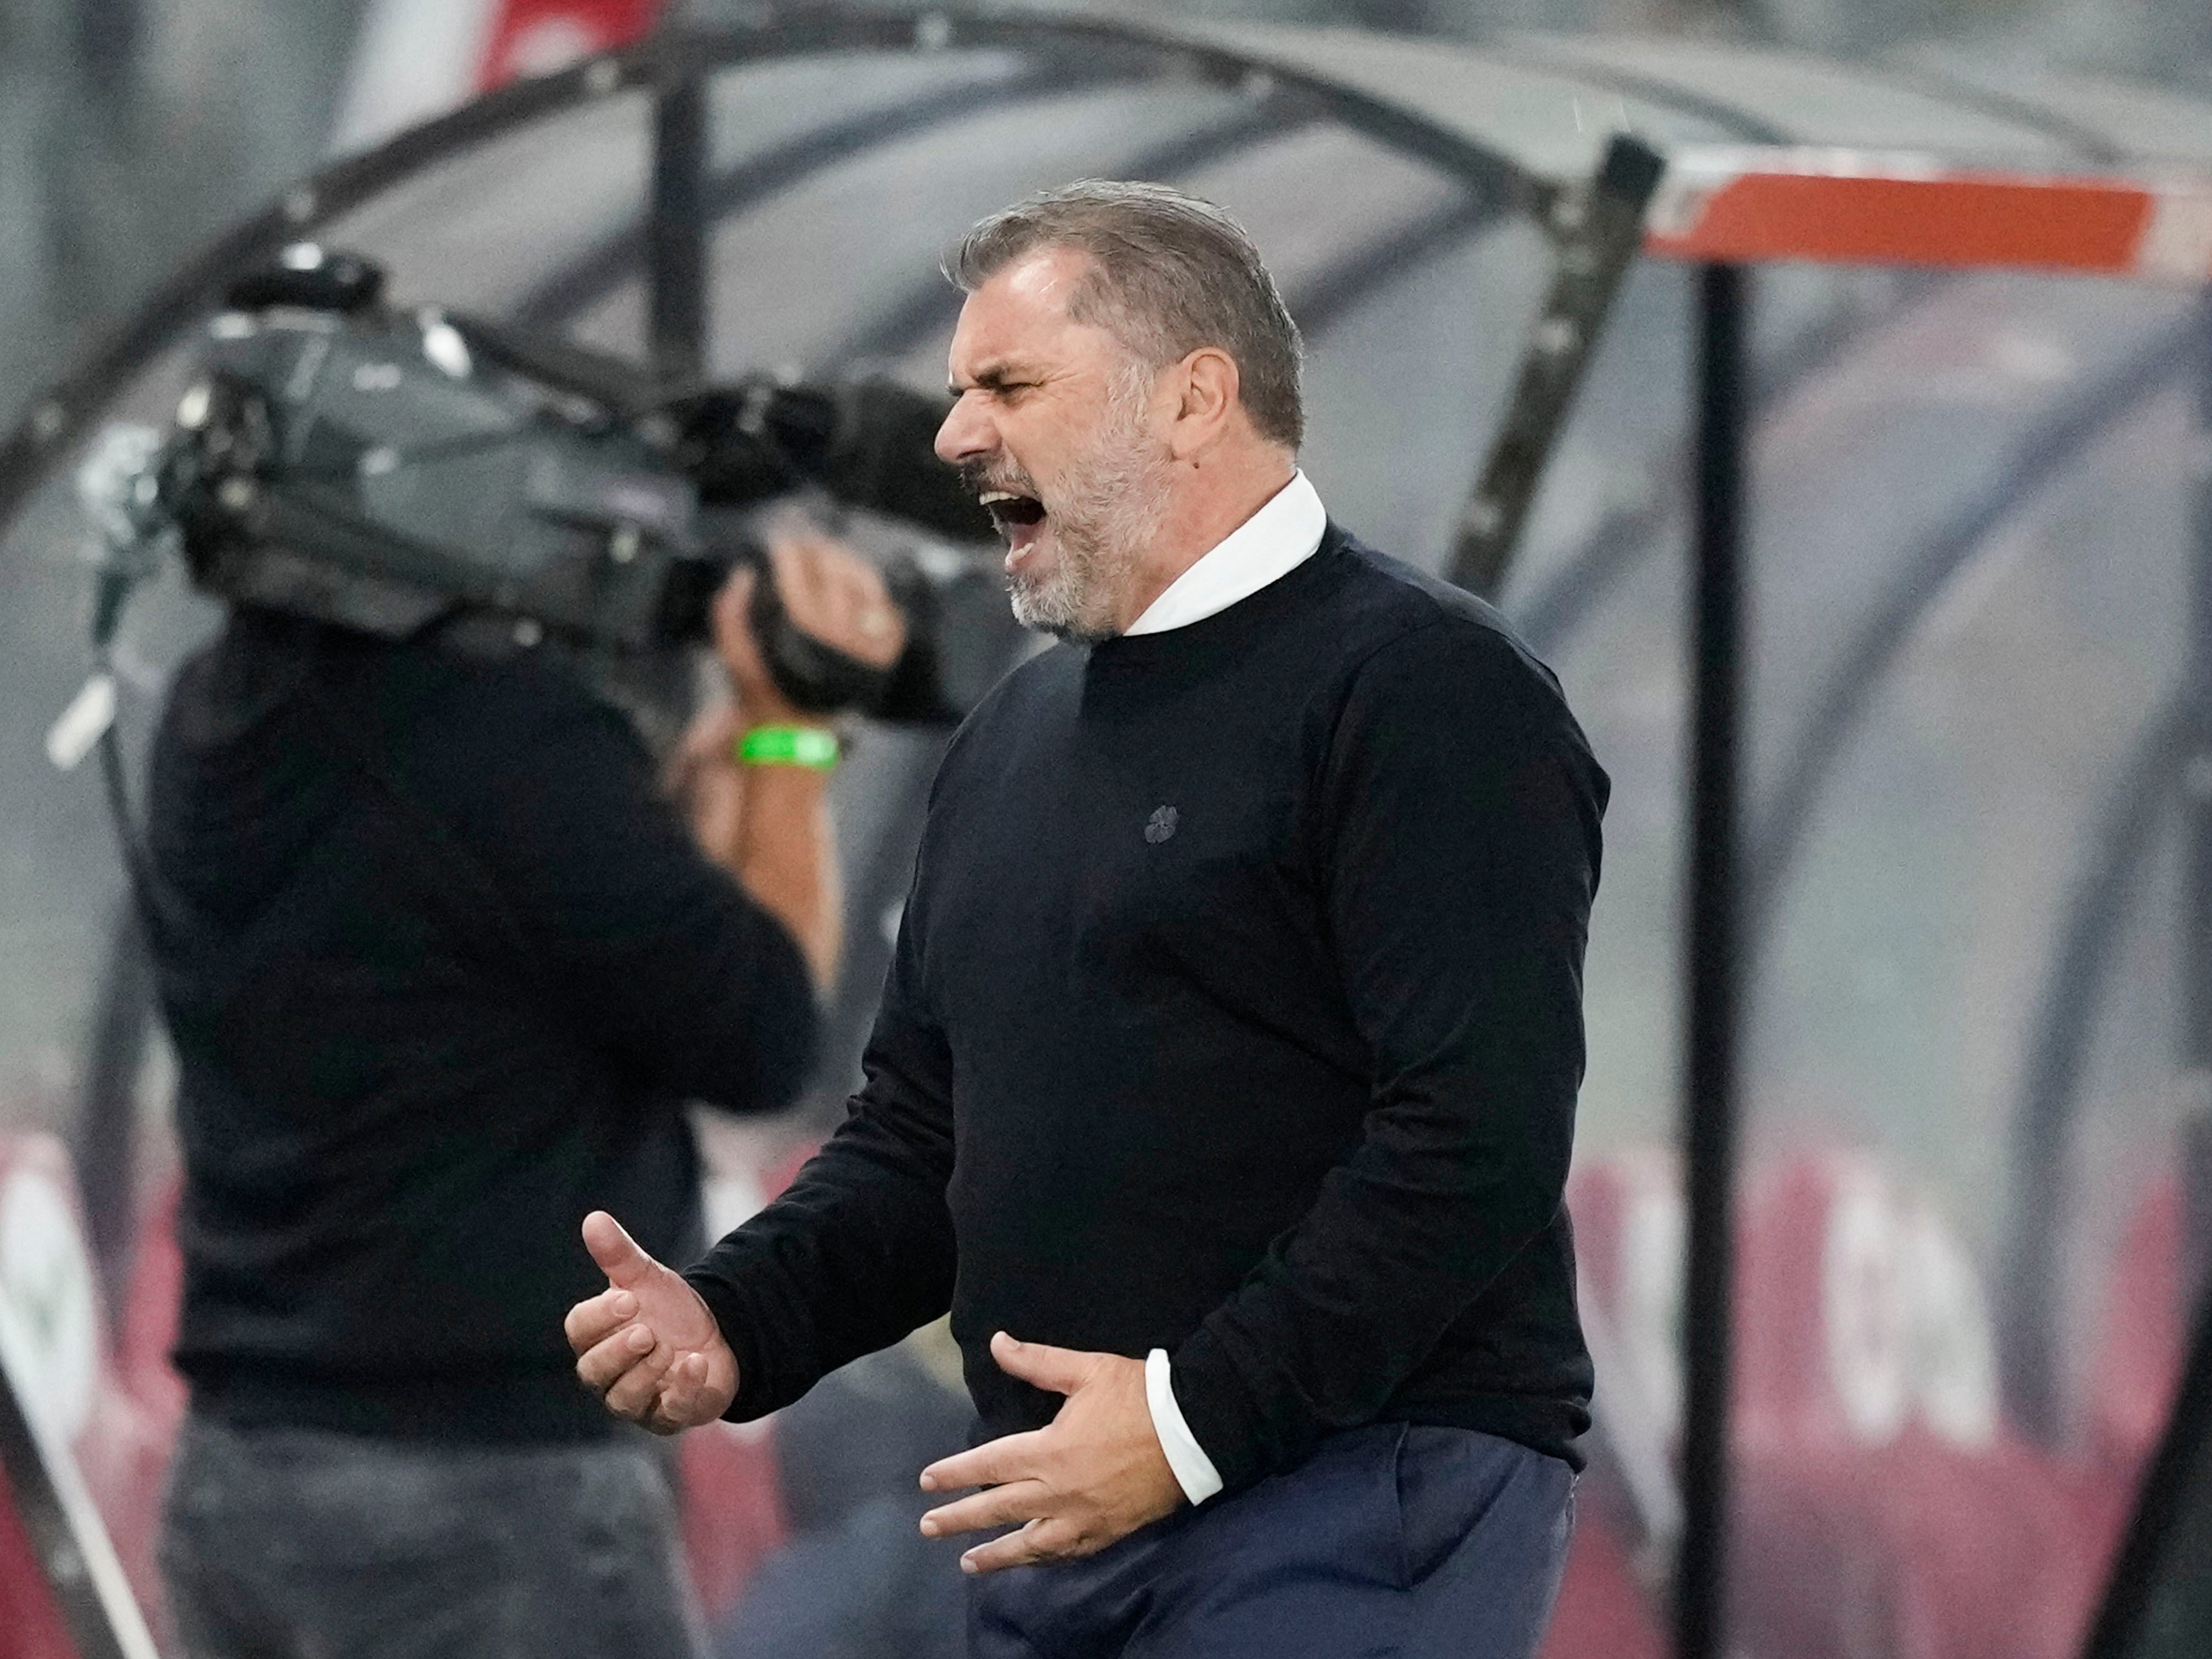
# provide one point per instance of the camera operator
(444, 962)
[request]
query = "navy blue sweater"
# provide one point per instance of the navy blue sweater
(1235, 1011)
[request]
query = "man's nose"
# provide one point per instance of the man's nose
(967, 432)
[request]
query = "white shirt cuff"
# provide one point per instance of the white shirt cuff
(1193, 1470)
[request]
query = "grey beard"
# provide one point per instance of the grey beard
(1075, 600)
(1111, 515)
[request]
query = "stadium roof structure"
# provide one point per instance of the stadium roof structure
(1772, 155)
(1767, 155)
(1602, 149)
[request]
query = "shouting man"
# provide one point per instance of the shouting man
(1225, 1079)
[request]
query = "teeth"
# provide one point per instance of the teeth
(992, 497)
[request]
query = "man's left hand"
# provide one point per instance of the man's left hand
(1091, 1476)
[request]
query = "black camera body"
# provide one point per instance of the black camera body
(390, 471)
(367, 470)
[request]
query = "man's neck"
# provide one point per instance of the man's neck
(1212, 501)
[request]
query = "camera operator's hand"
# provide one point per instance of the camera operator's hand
(646, 1345)
(829, 592)
(769, 825)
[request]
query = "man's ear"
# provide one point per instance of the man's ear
(1210, 391)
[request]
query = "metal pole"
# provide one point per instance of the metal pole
(676, 230)
(1596, 230)
(1710, 1039)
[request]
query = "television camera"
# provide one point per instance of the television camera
(399, 471)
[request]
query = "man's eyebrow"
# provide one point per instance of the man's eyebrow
(991, 377)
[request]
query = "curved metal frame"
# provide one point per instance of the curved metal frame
(2171, 746)
(593, 275)
(1778, 837)
(57, 420)
(1748, 128)
(2126, 832)
(1780, 828)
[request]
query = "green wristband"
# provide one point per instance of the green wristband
(789, 745)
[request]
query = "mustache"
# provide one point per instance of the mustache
(979, 475)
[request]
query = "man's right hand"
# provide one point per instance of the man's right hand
(647, 1345)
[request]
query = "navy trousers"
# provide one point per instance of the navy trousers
(1388, 1542)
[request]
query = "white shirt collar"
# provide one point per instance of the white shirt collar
(1271, 543)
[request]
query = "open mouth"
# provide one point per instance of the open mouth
(1010, 510)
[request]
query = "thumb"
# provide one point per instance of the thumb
(1060, 1369)
(625, 1265)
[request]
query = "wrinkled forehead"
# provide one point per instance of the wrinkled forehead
(1020, 316)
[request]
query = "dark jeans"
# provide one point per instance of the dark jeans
(293, 1544)
(1390, 1542)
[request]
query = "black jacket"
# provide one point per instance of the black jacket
(441, 968)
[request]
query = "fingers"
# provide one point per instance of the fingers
(1040, 1541)
(625, 1265)
(686, 1398)
(828, 592)
(1063, 1371)
(839, 597)
(606, 1363)
(999, 1506)
(633, 1393)
(646, 1380)
(592, 1320)
(995, 1462)
(802, 575)
(874, 625)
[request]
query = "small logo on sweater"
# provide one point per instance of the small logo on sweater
(1160, 825)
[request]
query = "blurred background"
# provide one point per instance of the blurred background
(1980, 534)
(135, 130)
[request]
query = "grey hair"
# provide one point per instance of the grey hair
(1170, 273)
